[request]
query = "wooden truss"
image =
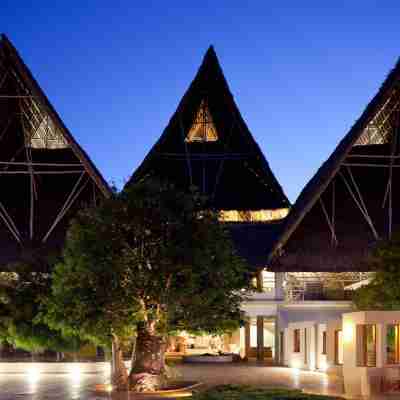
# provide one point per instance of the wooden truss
(383, 128)
(37, 131)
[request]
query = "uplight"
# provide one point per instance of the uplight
(323, 366)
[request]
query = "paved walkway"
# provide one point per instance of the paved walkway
(71, 387)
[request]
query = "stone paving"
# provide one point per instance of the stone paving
(69, 387)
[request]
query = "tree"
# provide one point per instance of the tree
(151, 260)
(383, 292)
(23, 286)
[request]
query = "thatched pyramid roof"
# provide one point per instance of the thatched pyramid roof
(350, 203)
(227, 164)
(44, 174)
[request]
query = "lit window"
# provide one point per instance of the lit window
(296, 341)
(203, 128)
(392, 344)
(366, 345)
(252, 215)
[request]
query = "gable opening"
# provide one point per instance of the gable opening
(203, 128)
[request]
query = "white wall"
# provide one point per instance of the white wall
(312, 343)
(361, 380)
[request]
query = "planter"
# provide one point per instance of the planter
(208, 358)
(180, 388)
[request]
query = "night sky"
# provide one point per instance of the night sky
(301, 72)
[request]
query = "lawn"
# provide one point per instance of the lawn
(244, 392)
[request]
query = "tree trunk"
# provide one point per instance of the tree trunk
(148, 373)
(119, 374)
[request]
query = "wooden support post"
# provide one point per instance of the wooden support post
(260, 338)
(247, 338)
(360, 204)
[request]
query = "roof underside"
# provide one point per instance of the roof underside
(350, 203)
(44, 174)
(230, 169)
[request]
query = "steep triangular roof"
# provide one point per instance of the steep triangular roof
(10, 55)
(47, 174)
(367, 144)
(232, 169)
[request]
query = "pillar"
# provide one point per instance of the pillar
(277, 344)
(260, 338)
(247, 338)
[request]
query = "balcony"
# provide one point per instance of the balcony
(322, 286)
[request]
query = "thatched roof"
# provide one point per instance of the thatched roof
(253, 241)
(230, 168)
(44, 173)
(361, 153)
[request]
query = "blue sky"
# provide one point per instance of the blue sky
(301, 72)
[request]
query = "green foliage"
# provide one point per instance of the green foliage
(247, 392)
(22, 287)
(151, 256)
(383, 292)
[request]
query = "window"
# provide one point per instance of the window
(252, 215)
(296, 341)
(392, 344)
(203, 128)
(366, 345)
(324, 342)
(338, 347)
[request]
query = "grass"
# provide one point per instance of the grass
(244, 392)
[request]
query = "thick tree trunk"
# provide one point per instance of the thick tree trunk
(119, 374)
(148, 372)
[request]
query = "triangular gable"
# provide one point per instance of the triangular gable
(231, 170)
(47, 174)
(368, 144)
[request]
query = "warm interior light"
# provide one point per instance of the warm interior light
(252, 215)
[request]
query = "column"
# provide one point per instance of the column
(260, 338)
(277, 357)
(247, 338)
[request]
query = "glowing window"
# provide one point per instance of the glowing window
(203, 128)
(393, 344)
(366, 345)
(252, 215)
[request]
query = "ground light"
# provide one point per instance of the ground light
(75, 372)
(33, 373)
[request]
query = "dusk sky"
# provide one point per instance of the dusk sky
(301, 72)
